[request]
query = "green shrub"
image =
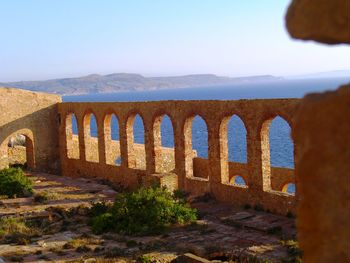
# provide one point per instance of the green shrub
(14, 183)
(99, 208)
(102, 223)
(146, 211)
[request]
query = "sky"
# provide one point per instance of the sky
(45, 39)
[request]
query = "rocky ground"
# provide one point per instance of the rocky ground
(223, 232)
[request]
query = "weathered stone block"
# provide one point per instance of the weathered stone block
(322, 131)
(325, 21)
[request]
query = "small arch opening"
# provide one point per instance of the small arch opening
(238, 180)
(91, 138)
(277, 148)
(136, 142)
(72, 137)
(281, 144)
(289, 189)
(18, 151)
(237, 140)
(196, 147)
(233, 145)
(112, 141)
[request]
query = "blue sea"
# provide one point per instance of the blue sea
(281, 145)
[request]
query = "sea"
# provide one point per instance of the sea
(281, 144)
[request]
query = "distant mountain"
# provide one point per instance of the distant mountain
(127, 82)
(321, 75)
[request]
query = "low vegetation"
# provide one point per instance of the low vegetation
(14, 183)
(294, 252)
(15, 230)
(82, 242)
(45, 196)
(145, 211)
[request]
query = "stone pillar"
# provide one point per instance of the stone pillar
(101, 139)
(4, 161)
(66, 128)
(81, 135)
(255, 148)
(127, 143)
(157, 144)
(217, 153)
(180, 155)
(30, 154)
(149, 147)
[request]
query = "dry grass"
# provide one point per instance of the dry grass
(14, 230)
(82, 241)
(45, 196)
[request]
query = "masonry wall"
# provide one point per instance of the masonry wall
(323, 131)
(34, 115)
(195, 175)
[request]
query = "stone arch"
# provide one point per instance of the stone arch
(238, 180)
(164, 143)
(29, 149)
(72, 137)
(135, 132)
(265, 134)
(289, 188)
(112, 139)
(196, 166)
(227, 147)
(90, 127)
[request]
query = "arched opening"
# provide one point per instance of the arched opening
(72, 137)
(281, 144)
(196, 147)
(238, 180)
(17, 150)
(277, 148)
(136, 142)
(289, 188)
(164, 144)
(237, 140)
(233, 146)
(91, 138)
(112, 142)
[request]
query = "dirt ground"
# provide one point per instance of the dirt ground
(222, 232)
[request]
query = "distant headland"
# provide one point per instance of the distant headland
(95, 83)
(117, 82)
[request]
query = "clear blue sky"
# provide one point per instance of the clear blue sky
(42, 39)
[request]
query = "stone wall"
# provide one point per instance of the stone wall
(35, 116)
(323, 132)
(83, 155)
(168, 159)
(50, 144)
